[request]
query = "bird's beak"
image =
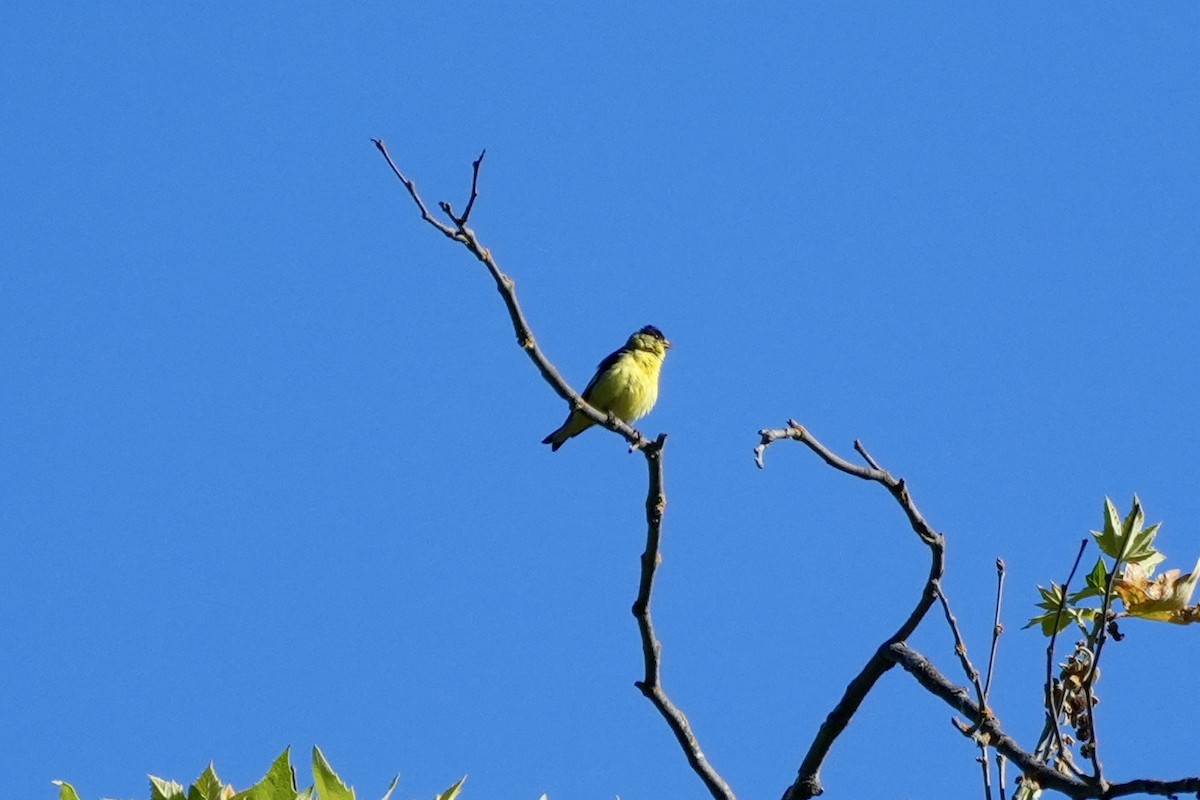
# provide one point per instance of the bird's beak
(667, 344)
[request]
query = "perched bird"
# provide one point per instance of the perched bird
(625, 384)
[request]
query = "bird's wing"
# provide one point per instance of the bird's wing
(605, 365)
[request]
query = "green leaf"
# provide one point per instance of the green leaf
(329, 785)
(1134, 519)
(1052, 598)
(1142, 550)
(1109, 539)
(65, 791)
(1047, 621)
(453, 791)
(1096, 583)
(1097, 579)
(207, 786)
(1126, 540)
(278, 784)
(1085, 618)
(166, 790)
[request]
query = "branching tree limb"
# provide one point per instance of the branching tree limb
(895, 650)
(808, 781)
(959, 698)
(656, 499)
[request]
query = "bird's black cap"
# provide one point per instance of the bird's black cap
(653, 331)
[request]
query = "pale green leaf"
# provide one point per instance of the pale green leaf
(1052, 598)
(207, 786)
(1133, 520)
(1109, 539)
(65, 791)
(278, 784)
(166, 790)
(1096, 583)
(1142, 551)
(329, 785)
(1047, 621)
(452, 792)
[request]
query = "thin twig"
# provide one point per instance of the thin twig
(1000, 776)
(960, 650)
(987, 771)
(862, 451)
(984, 703)
(997, 629)
(808, 778)
(474, 186)
(1054, 709)
(446, 230)
(1101, 636)
(461, 222)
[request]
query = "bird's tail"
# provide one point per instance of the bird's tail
(576, 424)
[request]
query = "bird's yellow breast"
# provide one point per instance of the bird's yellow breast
(630, 389)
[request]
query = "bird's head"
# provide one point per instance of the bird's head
(651, 340)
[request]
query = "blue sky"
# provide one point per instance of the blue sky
(270, 471)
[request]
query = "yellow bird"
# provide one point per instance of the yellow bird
(625, 384)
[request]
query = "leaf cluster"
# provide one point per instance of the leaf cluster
(278, 784)
(1122, 573)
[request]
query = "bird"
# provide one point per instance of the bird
(625, 384)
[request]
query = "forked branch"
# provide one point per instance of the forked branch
(808, 781)
(656, 499)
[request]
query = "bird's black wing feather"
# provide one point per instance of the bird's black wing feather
(604, 367)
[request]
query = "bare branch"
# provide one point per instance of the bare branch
(651, 683)
(1151, 786)
(987, 772)
(808, 780)
(1053, 709)
(446, 230)
(1101, 636)
(862, 451)
(895, 650)
(997, 629)
(475, 165)
(984, 745)
(970, 731)
(957, 697)
(461, 222)
(960, 650)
